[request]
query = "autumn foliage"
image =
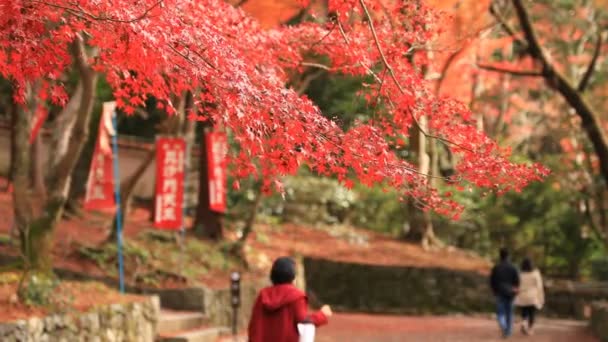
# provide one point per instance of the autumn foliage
(238, 72)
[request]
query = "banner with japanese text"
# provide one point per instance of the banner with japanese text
(39, 118)
(169, 199)
(217, 147)
(100, 184)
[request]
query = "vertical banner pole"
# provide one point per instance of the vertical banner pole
(118, 210)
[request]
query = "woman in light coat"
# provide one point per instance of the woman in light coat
(531, 295)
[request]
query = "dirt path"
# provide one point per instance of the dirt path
(367, 328)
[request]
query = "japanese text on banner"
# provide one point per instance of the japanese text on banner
(216, 168)
(169, 199)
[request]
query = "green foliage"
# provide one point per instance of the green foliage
(379, 210)
(142, 124)
(339, 98)
(5, 240)
(155, 256)
(37, 289)
(599, 268)
(543, 222)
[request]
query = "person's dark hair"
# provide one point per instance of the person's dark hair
(504, 254)
(283, 271)
(526, 265)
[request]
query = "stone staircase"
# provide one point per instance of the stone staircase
(187, 326)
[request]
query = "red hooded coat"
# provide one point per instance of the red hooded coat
(276, 313)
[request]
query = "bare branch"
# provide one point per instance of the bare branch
(591, 68)
(58, 181)
(80, 56)
(316, 65)
(523, 73)
(504, 24)
(534, 46)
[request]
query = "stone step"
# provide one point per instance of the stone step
(207, 334)
(175, 321)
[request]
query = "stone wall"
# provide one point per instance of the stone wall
(214, 303)
(219, 309)
(394, 289)
(572, 299)
(132, 322)
(599, 320)
(411, 290)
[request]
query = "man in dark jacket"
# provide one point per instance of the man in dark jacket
(280, 307)
(504, 281)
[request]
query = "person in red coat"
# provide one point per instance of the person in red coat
(280, 307)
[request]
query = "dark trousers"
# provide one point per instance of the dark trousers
(527, 313)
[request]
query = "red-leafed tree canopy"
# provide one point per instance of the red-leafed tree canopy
(238, 72)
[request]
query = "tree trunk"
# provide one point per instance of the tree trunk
(420, 223)
(35, 233)
(37, 168)
(22, 206)
(64, 123)
(207, 223)
(37, 243)
(590, 121)
(13, 112)
(59, 143)
(239, 247)
(248, 229)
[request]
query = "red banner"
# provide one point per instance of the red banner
(169, 200)
(217, 146)
(39, 119)
(100, 185)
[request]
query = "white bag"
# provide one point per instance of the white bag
(307, 332)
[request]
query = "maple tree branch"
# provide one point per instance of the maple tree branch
(190, 60)
(397, 83)
(81, 13)
(316, 65)
(80, 57)
(181, 54)
(397, 165)
(58, 180)
(591, 68)
(203, 58)
(324, 36)
(523, 73)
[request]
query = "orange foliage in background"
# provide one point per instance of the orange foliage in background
(272, 13)
(455, 51)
